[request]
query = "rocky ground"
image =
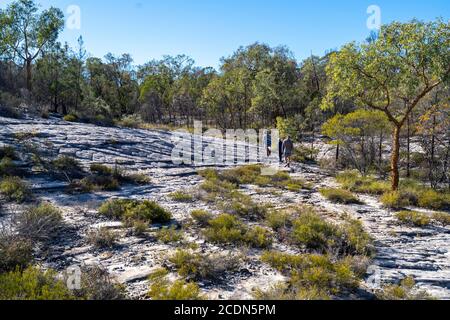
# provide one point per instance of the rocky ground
(401, 251)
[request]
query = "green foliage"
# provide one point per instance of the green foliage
(413, 218)
(33, 284)
(169, 235)
(180, 196)
(7, 167)
(203, 267)
(202, 217)
(102, 238)
(353, 181)
(131, 121)
(162, 289)
(227, 229)
(8, 152)
(395, 200)
(313, 277)
(15, 189)
(40, 223)
(67, 166)
(442, 218)
(339, 196)
(132, 210)
(15, 253)
(243, 206)
(434, 200)
(95, 183)
(140, 228)
(278, 219)
(70, 118)
(101, 169)
(403, 291)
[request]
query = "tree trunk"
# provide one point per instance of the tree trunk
(408, 153)
(29, 86)
(395, 158)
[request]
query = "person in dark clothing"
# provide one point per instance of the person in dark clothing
(288, 149)
(269, 144)
(280, 150)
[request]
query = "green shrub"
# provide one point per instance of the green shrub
(169, 235)
(131, 121)
(354, 239)
(101, 169)
(394, 200)
(15, 189)
(203, 267)
(41, 223)
(33, 284)
(8, 152)
(243, 206)
(97, 284)
(132, 210)
(432, 199)
(403, 291)
(95, 183)
(413, 218)
(70, 118)
(162, 289)
(180, 196)
(15, 253)
(67, 167)
(140, 228)
(339, 196)
(314, 273)
(137, 178)
(102, 238)
(7, 167)
(442, 218)
(353, 181)
(228, 229)
(314, 232)
(278, 220)
(202, 217)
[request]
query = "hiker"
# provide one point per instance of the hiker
(288, 149)
(269, 144)
(280, 150)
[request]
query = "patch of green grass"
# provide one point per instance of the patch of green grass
(134, 210)
(202, 217)
(95, 183)
(243, 206)
(102, 238)
(33, 284)
(442, 218)
(70, 118)
(169, 235)
(162, 289)
(203, 267)
(15, 189)
(353, 181)
(340, 196)
(394, 200)
(413, 218)
(180, 196)
(279, 219)
(403, 291)
(227, 229)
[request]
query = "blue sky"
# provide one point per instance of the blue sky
(206, 30)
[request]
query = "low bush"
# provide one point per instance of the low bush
(180, 196)
(227, 229)
(434, 200)
(8, 152)
(403, 291)
(162, 289)
(95, 183)
(67, 167)
(101, 169)
(41, 223)
(131, 121)
(278, 220)
(442, 218)
(33, 284)
(202, 217)
(140, 228)
(132, 210)
(198, 266)
(243, 206)
(353, 181)
(169, 235)
(102, 238)
(15, 189)
(339, 196)
(70, 118)
(413, 218)
(7, 167)
(97, 284)
(15, 252)
(394, 200)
